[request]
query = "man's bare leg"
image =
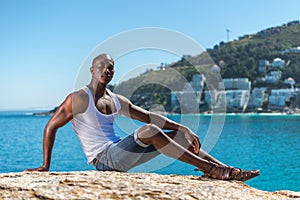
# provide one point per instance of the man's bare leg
(180, 139)
(151, 134)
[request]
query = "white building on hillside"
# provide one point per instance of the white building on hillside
(216, 99)
(230, 99)
(291, 50)
(235, 95)
(187, 101)
(190, 97)
(237, 98)
(257, 97)
(290, 81)
(273, 77)
(211, 98)
(277, 63)
(279, 97)
(197, 83)
(236, 84)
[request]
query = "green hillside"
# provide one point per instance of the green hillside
(239, 58)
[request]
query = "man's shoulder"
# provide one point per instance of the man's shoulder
(79, 98)
(80, 94)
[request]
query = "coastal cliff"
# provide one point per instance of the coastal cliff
(115, 185)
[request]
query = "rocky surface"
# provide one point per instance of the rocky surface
(116, 185)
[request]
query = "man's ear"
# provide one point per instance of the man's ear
(91, 69)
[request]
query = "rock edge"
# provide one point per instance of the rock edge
(117, 185)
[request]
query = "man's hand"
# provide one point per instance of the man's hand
(38, 169)
(193, 140)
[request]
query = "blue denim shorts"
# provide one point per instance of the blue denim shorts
(125, 154)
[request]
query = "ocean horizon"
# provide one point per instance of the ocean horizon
(268, 142)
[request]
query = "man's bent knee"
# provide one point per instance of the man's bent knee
(139, 141)
(147, 132)
(153, 128)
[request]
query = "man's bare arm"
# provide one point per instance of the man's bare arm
(132, 111)
(73, 104)
(135, 112)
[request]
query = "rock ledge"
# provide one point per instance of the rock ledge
(116, 185)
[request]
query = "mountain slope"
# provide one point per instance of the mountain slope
(241, 56)
(238, 58)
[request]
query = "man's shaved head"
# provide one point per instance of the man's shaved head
(103, 57)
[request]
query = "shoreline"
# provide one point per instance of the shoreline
(234, 114)
(50, 113)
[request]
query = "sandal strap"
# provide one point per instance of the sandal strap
(245, 175)
(220, 172)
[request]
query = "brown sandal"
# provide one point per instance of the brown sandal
(229, 173)
(245, 175)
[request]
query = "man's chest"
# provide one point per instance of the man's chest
(105, 105)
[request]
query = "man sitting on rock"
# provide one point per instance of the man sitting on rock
(93, 110)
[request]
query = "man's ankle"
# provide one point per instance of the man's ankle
(209, 166)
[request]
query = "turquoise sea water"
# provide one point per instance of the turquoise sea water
(268, 143)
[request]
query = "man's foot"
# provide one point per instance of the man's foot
(229, 173)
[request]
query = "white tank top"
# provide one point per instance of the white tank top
(94, 129)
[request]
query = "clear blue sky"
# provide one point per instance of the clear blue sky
(44, 43)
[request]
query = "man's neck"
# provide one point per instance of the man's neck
(97, 89)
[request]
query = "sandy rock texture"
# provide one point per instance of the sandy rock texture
(116, 185)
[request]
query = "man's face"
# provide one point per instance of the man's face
(103, 70)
